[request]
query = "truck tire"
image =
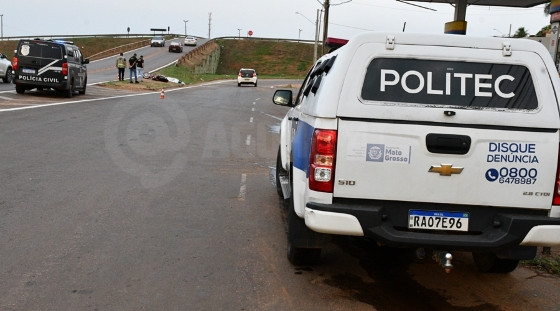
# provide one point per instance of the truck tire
(489, 262)
(302, 242)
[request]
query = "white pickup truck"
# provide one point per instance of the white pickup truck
(440, 143)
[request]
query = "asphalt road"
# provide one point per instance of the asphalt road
(139, 203)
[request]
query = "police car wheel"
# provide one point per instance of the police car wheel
(20, 89)
(489, 262)
(299, 239)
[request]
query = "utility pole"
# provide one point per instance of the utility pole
(209, 23)
(317, 33)
(185, 21)
(2, 26)
(326, 6)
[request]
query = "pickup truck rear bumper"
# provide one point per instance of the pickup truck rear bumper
(490, 228)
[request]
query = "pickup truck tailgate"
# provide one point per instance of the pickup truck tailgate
(384, 160)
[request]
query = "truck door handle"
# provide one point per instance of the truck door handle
(293, 119)
(448, 143)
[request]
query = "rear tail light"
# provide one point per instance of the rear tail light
(254, 74)
(556, 196)
(65, 69)
(240, 74)
(322, 160)
(15, 63)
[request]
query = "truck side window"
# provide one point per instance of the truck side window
(306, 81)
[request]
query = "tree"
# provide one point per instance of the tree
(521, 32)
(544, 31)
(547, 9)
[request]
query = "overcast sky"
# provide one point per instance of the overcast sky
(265, 18)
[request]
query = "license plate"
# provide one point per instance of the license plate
(438, 220)
(28, 70)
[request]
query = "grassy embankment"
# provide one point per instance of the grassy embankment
(271, 59)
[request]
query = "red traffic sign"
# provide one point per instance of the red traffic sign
(250, 33)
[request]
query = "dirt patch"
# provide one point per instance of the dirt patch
(146, 85)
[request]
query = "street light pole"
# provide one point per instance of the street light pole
(185, 21)
(239, 32)
(299, 35)
(2, 26)
(317, 31)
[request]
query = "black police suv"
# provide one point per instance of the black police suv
(49, 64)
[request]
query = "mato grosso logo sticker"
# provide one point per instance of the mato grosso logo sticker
(388, 153)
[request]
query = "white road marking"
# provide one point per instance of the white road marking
(243, 187)
(110, 97)
(248, 140)
(269, 115)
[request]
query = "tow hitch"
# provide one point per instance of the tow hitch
(444, 259)
(441, 257)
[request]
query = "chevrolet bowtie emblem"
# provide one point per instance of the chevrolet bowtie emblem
(445, 169)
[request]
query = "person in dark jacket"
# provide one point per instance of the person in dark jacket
(132, 66)
(140, 67)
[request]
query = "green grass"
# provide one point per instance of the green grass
(188, 77)
(271, 59)
(547, 263)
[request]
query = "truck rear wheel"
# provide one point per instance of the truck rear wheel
(302, 242)
(489, 262)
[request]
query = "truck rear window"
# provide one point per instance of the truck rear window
(449, 83)
(40, 50)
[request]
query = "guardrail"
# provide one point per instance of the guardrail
(119, 49)
(120, 35)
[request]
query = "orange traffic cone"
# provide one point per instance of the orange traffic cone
(162, 94)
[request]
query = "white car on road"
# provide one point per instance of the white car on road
(190, 41)
(5, 69)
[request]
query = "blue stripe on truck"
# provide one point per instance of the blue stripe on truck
(301, 146)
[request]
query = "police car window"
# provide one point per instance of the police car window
(450, 83)
(41, 50)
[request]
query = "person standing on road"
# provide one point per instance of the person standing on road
(121, 66)
(132, 66)
(140, 68)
